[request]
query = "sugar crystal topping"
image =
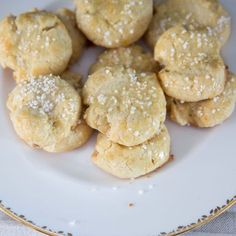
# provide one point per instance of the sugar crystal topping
(42, 94)
(187, 18)
(128, 14)
(134, 95)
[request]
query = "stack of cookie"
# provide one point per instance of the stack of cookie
(127, 106)
(187, 37)
(46, 106)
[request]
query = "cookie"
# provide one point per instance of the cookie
(78, 40)
(46, 113)
(193, 68)
(113, 24)
(208, 14)
(131, 57)
(8, 40)
(132, 162)
(208, 113)
(34, 43)
(125, 105)
(74, 79)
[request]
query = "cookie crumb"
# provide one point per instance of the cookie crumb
(151, 186)
(131, 205)
(140, 192)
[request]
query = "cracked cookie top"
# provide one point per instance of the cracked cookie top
(46, 113)
(131, 57)
(34, 43)
(113, 23)
(201, 13)
(193, 67)
(126, 105)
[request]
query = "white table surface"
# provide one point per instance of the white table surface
(225, 225)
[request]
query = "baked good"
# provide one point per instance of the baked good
(131, 57)
(46, 113)
(132, 162)
(73, 79)
(34, 43)
(78, 40)
(193, 68)
(113, 24)
(208, 113)
(125, 105)
(208, 14)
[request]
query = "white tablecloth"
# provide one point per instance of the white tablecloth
(222, 226)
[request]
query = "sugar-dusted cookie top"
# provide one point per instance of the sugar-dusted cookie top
(113, 24)
(200, 13)
(193, 67)
(34, 43)
(46, 113)
(131, 57)
(125, 105)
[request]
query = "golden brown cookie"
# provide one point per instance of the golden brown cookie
(73, 79)
(34, 43)
(125, 105)
(131, 57)
(132, 162)
(78, 40)
(193, 68)
(113, 24)
(208, 113)
(46, 114)
(208, 14)
(8, 41)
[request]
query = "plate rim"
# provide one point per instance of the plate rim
(203, 220)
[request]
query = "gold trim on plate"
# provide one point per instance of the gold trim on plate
(213, 214)
(20, 218)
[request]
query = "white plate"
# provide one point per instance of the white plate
(68, 193)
